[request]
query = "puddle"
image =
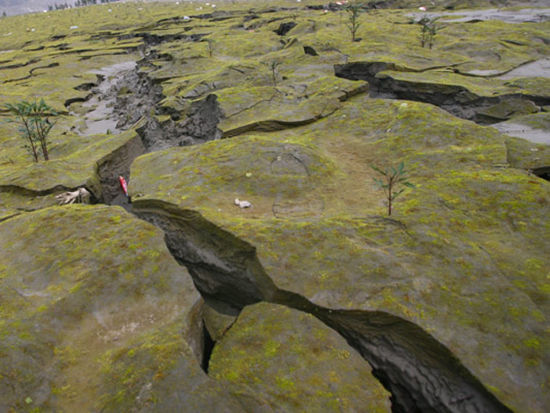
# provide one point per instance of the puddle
(525, 132)
(540, 68)
(100, 119)
(507, 16)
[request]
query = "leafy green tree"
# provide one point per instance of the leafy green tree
(392, 178)
(34, 125)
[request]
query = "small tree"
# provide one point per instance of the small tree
(354, 10)
(274, 68)
(34, 125)
(210, 43)
(392, 179)
(428, 30)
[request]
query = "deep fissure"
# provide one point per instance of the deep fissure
(421, 374)
(455, 99)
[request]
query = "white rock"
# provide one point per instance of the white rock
(242, 204)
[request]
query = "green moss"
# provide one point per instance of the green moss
(92, 292)
(274, 350)
(463, 256)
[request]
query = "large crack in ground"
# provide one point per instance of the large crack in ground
(421, 373)
(455, 99)
(197, 124)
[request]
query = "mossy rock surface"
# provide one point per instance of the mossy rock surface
(464, 255)
(467, 247)
(83, 290)
(296, 363)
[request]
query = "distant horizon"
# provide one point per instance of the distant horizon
(37, 6)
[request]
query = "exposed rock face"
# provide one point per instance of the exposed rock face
(446, 301)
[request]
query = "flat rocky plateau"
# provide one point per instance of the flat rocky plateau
(313, 298)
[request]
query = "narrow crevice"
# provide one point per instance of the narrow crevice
(87, 86)
(31, 72)
(19, 65)
(115, 165)
(3, 219)
(19, 190)
(310, 51)
(72, 100)
(207, 348)
(284, 28)
(273, 125)
(542, 172)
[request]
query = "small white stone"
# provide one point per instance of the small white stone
(242, 204)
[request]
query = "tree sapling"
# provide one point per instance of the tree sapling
(34, 124)
(353, 9)
(428, 30)
(392, 179)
